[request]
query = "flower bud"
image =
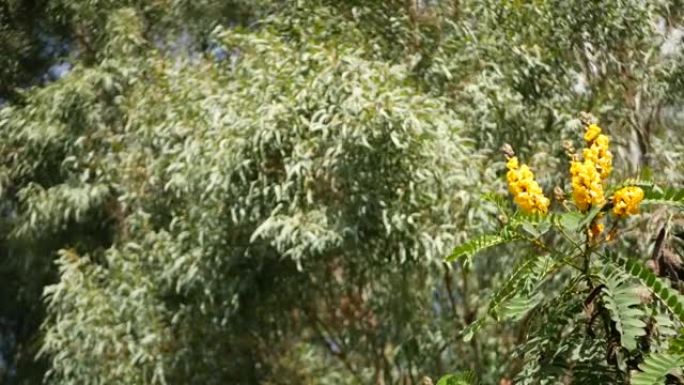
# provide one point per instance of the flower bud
(507, 150)
(569, 148)
(558, 194)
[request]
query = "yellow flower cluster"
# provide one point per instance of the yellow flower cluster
(587, 175)
(589, 171)
(597, 150)
(587, 189)
(526, 191)
(593, 130)
(626, 201)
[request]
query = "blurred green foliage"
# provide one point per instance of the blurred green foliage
(263, 192)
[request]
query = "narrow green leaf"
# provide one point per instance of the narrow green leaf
(569, 221)
(656, 367)
(667, 196)
(624, 306)
(474, 246)
(668, 296)
(590, 216)
(460, 378)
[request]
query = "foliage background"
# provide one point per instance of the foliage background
(263, 192)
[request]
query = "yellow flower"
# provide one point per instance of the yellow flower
(626, 201)
(587, 189)
(525, 190)
(592, 132)
(588, 174)
(596, 229)
(599, 153)
(603, 141)
(512, 163)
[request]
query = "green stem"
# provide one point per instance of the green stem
(587, 262)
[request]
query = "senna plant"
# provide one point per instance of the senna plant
(587, 310)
